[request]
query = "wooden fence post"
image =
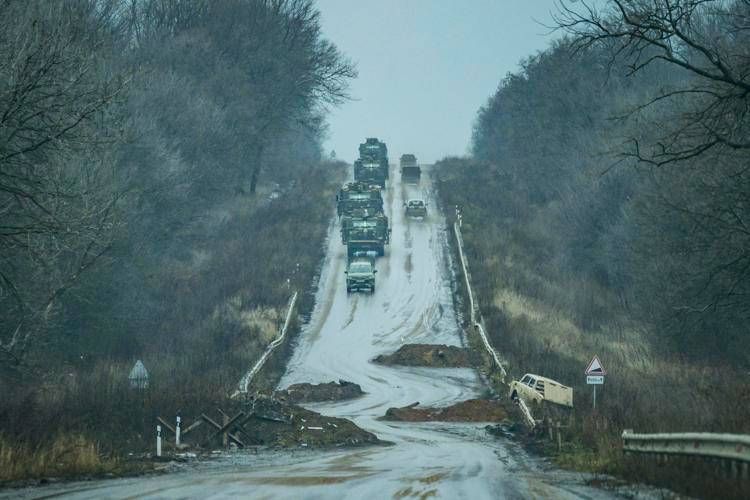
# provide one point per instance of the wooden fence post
(224, 437)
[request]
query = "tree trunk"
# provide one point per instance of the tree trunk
(256, 167)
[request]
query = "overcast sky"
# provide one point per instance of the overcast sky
(425, 67)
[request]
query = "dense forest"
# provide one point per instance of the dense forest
(161, 195)
(605, 208)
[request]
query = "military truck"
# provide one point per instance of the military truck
(369, 234)
(410, 171)
(360, 274)
(416, 208)
(376, 150)
(370, 171)
(361, 222)
(358, 196)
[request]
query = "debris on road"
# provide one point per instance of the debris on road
(277, 423)
(314, 393)
(439, 356)
(472, 410)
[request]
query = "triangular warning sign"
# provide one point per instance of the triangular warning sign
(595, 367)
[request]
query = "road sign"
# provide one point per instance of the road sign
(595, 379)
(595, 367)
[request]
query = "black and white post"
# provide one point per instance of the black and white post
(158, 440)
(177, 432)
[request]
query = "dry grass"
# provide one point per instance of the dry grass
(69, 455)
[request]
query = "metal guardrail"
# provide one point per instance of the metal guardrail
(735, 447)
(474, 315)
(248, 377)
(526, 412)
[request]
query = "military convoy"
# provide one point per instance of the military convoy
(364, 225)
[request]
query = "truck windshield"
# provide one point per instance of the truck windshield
(359, 268)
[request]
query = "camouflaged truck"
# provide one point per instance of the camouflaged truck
(410, 171)
(366, 234)
(365, 220)
(358, 196)
(370, 171)
(360, 274)
(375, 150)
(373, 155)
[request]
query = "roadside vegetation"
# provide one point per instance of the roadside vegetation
(162, 193)
(605, 208)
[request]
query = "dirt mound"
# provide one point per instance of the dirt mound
(277, 423)
(313, 393)
(471, 410)
(440, 356)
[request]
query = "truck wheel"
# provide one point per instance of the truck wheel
(372, 289)
(348, 289)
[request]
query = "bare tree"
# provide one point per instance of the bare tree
(57, 189)
(706, 41)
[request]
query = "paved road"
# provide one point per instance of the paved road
(412, 304)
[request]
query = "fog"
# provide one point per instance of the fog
(425, 67)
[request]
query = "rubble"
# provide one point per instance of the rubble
(277, 423)
(472, 410)
(313, 393)
(433, 355)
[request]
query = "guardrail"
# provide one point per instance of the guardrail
(248, 377)
(474, 315)
(733, 448)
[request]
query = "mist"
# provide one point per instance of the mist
(425, 67)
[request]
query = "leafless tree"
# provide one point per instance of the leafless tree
(57, 191)
(706, 41)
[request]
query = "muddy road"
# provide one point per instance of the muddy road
(412, 304)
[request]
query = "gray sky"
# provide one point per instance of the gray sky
(425, 67)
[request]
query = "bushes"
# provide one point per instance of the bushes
(65, 456)
(545, 318)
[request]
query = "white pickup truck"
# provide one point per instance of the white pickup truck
(534, 389)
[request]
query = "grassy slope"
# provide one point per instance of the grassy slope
(528, 322)
(86, 419)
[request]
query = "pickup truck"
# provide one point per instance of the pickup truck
(416, 208)
(535, 389)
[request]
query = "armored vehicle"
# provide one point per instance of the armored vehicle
(362, 224)
(358, 196)
(376, 150)
(410, 170)
(360, 274)
(370, 171)
(369, 234)
(416, 208)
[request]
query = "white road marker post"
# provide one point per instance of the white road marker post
(177, 432)
(158, 440)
